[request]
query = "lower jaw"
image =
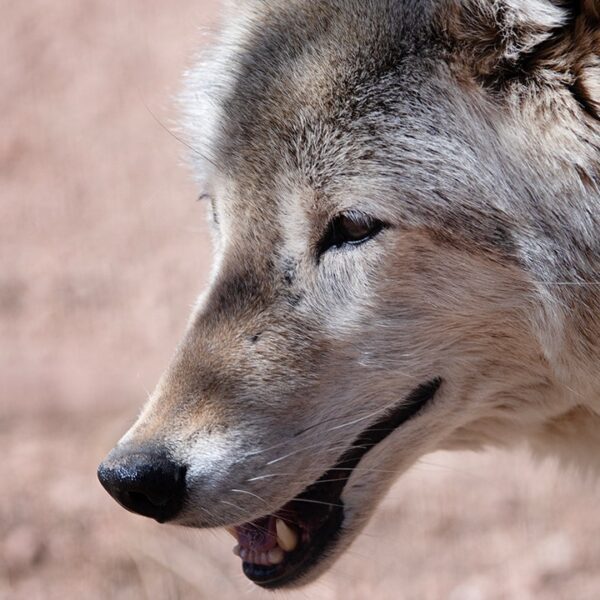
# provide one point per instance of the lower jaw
(328, 514)
(301, 560)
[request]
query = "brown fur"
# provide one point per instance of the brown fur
(470, 129)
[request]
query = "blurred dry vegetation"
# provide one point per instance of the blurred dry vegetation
(102, 251)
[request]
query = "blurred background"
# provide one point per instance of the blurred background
(102, 252)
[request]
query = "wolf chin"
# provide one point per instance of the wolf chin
(405, 205)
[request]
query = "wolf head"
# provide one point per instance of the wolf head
(396, 190)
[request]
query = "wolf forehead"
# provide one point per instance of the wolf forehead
(312, 85)
(347, 98)
(324, 89)
(372, 99)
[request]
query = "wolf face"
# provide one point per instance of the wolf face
(398, 191)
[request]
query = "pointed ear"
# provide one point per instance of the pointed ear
(499, 41)
(587, 85)
(495, 35)
(585, 56)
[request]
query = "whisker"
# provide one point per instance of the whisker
(245, 516)
(297, 451)
(196, 151)
(266, 476)
(320, 481)
(582, 283)
(262, 450)
(363, 470)
(357, 420)
(357, 469)
(363, 418)
(322, 502)
(239, 508)
(250, 494)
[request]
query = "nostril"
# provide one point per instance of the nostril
(150, 484)
(138, 497)
(142, 503)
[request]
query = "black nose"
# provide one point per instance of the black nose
(146, 482)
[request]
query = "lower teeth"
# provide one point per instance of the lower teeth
(275, 556)
(287, 540)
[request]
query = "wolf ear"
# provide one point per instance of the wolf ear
(502, 40)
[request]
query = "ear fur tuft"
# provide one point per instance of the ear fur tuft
(584, 48)
(495, 35)
(545, 41)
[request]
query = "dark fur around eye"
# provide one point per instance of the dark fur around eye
(349, 229)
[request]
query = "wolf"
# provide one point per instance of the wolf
(405, 205)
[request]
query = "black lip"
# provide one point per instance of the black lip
(328, 490)
(300, 561)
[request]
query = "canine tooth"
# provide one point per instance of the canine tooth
(236, 550)
(244, 553)
(264, 558)
(276, 555)
(287, 538)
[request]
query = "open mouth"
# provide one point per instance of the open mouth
(279, 548)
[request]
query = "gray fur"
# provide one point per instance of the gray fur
(471, 128)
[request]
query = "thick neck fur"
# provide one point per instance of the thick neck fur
(541, 60)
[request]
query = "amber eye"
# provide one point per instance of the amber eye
(350, 228)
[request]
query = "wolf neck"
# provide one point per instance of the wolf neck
(569, 282)
(561, 154)
(545, 66)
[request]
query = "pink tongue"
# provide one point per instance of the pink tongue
(260, 535)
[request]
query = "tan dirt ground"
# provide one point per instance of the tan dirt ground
(102, 251)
